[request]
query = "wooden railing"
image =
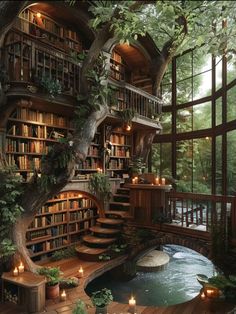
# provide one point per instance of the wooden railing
(128, 96)
(29, 59)
(202, 212)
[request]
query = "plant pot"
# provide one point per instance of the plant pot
(52, 292)
(101, 310)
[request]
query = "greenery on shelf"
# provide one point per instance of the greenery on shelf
(51, 86)
(53, 275)
(80, 308)
(100, 186)
(10, 210)
(127, 115)
(102, 298)
(64, 253)
(104, 257)
(137, 166)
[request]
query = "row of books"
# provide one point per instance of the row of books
(118, 164)
(29, 146)
(44, 221)
(89, 163)
(119, 139)
(26, 130)
(24, 162)
(120, 151)
(48, 245)
(93, 150)
(41, 117)
(78, 215)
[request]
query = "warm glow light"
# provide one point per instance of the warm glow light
(63, 296)
(132, 305)
(157, 180)
(80, 272)
(38, 14)
(133, 181)
(15, 272)
(203, 296)
(21, 268)
(80, 195)
(128, 127)
(163, 181)
(136, 180)
(207, 138)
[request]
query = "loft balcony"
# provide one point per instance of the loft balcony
(29, 58)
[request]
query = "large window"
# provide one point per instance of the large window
(203, 159)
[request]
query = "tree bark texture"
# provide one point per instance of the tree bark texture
(142, 144)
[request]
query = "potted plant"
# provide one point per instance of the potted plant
(100, 186)
(80, 308)
(101, 299)
(53, 276)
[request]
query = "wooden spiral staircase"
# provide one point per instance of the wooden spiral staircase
(108, 229)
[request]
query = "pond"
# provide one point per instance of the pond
(176, 284)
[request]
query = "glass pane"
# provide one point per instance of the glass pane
(231, 70)
(201, 61)
(166, 153)
(202, 165)
(231, 104)
(218, 73)
(184, 120)
(156, 158)
(184, 91)
(166, 93)
(202, 116)
(231, 162)
(166, 122)
(161, 159)
(184, 66)
(202, 85)
(219, 111)
(184, 165)
(218, 175)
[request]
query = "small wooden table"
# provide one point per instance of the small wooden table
(31, 289)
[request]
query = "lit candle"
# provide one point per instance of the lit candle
(21, 268)
(81, 272)
(203, 296)
(63, 296)
(133, 181)
(163, 181)
(136, 180)
(157, 181)
(132, 305)
(15, 272)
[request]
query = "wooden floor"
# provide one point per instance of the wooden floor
(93, 269)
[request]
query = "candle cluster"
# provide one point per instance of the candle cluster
(18, 270)
(132, 305)
(160, 181)
(135, 180)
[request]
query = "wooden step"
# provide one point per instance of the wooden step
(121, 198)
(120, 203)
(98, 229)
(89, 254)
(99, 241)
(109, 221)
(123, 191)
(119, 214)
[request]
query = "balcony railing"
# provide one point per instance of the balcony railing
(29, 59)
(202, 212)
(129, 97)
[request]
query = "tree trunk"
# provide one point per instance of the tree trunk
(142, 144)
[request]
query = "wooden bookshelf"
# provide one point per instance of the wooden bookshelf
(30, 133)
(117, 67)
(60, 223)
(121, 151)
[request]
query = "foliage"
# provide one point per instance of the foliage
(64, 253)
(102, 298)
(127, 115)
(137, 165)
(104, 257)
(98, 94)
(51, 86)
(10, 209)
(80, 308)
(69, 282)
(100, 186)
(226, 285)
(53, 275)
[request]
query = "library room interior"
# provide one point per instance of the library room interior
(117, 157)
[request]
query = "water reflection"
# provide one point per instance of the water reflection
(174, 285)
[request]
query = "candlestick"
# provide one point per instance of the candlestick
(132, 305)
(157, 180)
(63, 296)
(80, 272)
(15, 272)
(21, 268)
(163, 181)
